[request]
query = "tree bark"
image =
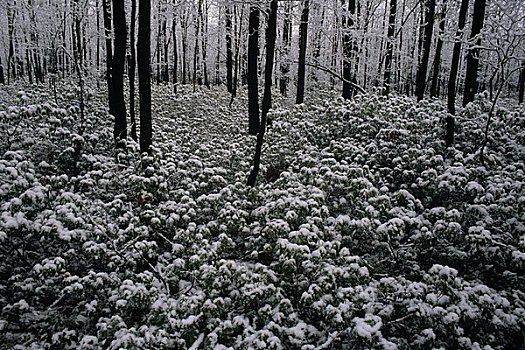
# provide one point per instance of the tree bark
(2, 78)
(132, 68)
(175, 53)
(348, 23)
(303, 41)
(117, 76)
(271, 34)
(11, 66)
(229, 52)
(471, 76)
(454, 64)
(252, 79)
(389, 46)
(109, 53)
(143, 64)
(421, 76)
(521, 83)
(437, 57)
(285, 64)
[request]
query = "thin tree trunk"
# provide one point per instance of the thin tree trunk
(271, 34)
(143, 64)
(204, 43)
(109, 53)
(2, 78)
(11, 67)
(471, 76)
(454, 64)
(303, 41)
(159, 43)
(97, 6)
(117, 78)
(437, 57)
(253, 85)
(285, 64)
(348, 23)
(521, 87)
(421, 76)
(175, 53)
(229, 52)
(389, 46)
(132, 68)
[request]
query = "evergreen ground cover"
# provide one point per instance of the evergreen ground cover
(364, 231)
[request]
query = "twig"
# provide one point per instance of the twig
(334, 74)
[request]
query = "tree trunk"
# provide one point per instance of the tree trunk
(166, 46)
(97, 6)
(229, 52)
(389, 46)
(143, 63)
(11, 66)
(271, 34)
(437, 57)
(117, 76)
(521, 83)
(471, 76)
(2, 78)
(204, 42)
(421, 76)
(454, 64)
(109, 53)
(303, 41)
(253, 85)
(285, 64)
(348, 23)
(175, 53)
(158, 50)
(132, 67)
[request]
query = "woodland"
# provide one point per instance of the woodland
(272, 174)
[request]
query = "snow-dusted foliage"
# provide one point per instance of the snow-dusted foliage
(363, 233)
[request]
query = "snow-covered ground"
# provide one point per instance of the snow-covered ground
(363, 232)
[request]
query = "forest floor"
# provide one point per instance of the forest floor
(363, 231)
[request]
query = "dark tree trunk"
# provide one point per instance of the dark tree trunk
(303, 40)
(97, 6)
(271, 34)
(318, 43)
(175, 53)
(158, 50)
(2, 78)
(117, 71)
(184, 48)
(166, 46)
(421, 77)
(11, 66)
(109, 53)
(348, 23)
(253, 93)
(389, 46)
(143, 64)
(521, 83)
(78, 49)
(196, 65)
(437, 57)
(132, 68)
(229, 52)
(454, 64)
(285, 64)
(471, 76)
(204, 43)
